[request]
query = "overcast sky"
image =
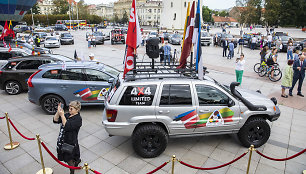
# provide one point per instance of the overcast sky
(212, 4)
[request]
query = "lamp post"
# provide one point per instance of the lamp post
(77, 1)
(32, 18)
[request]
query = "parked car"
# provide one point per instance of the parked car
(52, 41)
(15, 52)
(106, 36)
(302, 44)
(224, 36)
(40, 29)
(249, 41)
(175, 39)
(14, 74)
(66, 38)
(284, 41)
(152, 34)
(60, 27)
(206, 39)
(149, 109)
(99, 37)
(86, 82)
(36, 49)
(117, 35)
(166, 36)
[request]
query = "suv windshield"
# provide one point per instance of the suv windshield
(205, 34)
(284, 38)
(98, 34)
(51, 38)
(66, 35)
(177, 36)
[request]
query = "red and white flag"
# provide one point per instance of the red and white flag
(10, 48)
(5, 31)
(133, 39)
(188, 39)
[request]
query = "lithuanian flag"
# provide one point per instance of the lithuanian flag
(226, 113)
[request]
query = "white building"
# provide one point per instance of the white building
(174, 13)
(149, 13)
(105, 10)
(46, 6)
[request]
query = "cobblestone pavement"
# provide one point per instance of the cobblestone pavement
(114, 155)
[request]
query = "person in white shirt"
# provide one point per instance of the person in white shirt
(239, 68)
(253, 42)
(92, 57)
(269, 37)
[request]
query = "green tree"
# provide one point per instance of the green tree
(61, 6)
(207, 14)
(223, 13)
(35, 9)
(253, 12)
(125, 18)
(290, 11)
(301, 18)
(272, 12)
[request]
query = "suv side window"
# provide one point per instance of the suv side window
(10, 65)
(141, 95)
(72, 74)
(52, 74)
(29, 64)
(176, 95)
(211, 96)
(95, 75)
(5, 56)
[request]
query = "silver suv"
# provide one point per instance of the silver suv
(86, 82)
(152, 109)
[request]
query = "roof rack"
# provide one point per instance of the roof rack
(156, 70)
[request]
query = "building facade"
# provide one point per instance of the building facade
(105, 10)
(225, 21)
(122, 6)
(174, 14)
(149, 13)
(45, 6)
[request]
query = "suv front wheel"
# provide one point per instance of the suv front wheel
(50, 102)
(149, 140)
(256, 131)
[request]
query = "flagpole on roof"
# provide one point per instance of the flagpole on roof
(185, 26)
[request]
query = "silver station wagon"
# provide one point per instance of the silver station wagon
(86, 82)
(152, 108)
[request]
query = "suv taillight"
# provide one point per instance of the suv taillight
(111, 115)
(30, 78)
(1, 72)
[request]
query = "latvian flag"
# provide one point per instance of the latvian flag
(84, 93)
(196, 40)
(188, 118)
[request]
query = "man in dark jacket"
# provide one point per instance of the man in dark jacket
(225, 46)
(299, 67)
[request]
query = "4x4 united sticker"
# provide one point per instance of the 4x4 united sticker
(191, 119)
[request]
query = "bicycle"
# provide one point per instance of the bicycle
(268, 70)
(257, 66)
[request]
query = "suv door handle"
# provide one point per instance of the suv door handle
(162, 112)
(204, 111)
(64, 86)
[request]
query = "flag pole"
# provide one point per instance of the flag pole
(134, 71)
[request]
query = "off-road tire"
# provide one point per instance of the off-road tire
(256, 131)
(50, 102)
(12, 87)
(149, 140)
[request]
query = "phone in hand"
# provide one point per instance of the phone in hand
(62, 105)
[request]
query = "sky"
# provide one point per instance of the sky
(212, 4)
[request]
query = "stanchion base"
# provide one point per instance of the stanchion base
(9, 147)
(47, 170)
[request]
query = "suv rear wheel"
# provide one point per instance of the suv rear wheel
(256, 131)
(149, 140)
(12, 87)
(50, 102)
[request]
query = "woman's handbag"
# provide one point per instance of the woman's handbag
(67, 148)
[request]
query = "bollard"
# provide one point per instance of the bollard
(251, 149)
(43, 170)
(86, 168)
(12, 145)
(173, 160)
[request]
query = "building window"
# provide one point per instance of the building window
(154, 10)
(171, 4)
(185, 4)
(158, 10)
(174, 17)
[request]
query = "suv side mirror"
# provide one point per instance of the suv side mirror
(111, 80)
(230, 103)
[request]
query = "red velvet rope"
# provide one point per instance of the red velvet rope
(282, 159)
(95, 171)
(212, 168)
(158, 168)
(58, 161)
(2, 117)
(18, 131)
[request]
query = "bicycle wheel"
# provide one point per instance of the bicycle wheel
(277, 75)
(262, 71)
(256, 67)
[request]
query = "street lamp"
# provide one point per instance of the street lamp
(77, 1)
(32, 18)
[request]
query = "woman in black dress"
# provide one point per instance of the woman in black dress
(70, 125)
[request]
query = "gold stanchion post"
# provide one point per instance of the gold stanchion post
(173, 161)
(251, 149)
(12, 145)
(86, 168)
(43, 170)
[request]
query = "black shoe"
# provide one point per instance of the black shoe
(76, 163)
(290, 94)
(300, 94)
